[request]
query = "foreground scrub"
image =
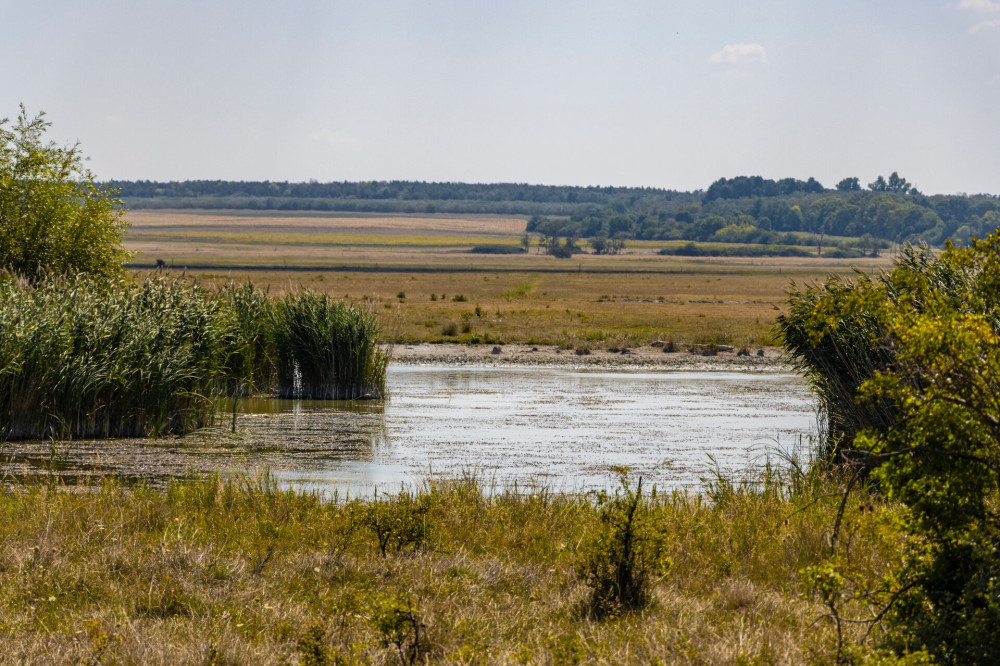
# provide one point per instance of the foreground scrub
(211, 571)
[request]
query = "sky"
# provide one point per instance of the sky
(672, 94)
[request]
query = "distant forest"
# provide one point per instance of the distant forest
(745, 209)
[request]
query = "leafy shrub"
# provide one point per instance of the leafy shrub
(400, 627)
(692, 249)
(619, 560)
(399, 522)
(313, 646)
(919, 349)
(54, 218)
(498, 249)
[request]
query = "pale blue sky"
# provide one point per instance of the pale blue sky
(668, 94)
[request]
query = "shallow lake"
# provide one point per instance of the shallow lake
(565, 429)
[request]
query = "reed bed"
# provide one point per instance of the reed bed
(113, 361)
(837, 355)
(329, 350)
(838, 336)
(87, 360)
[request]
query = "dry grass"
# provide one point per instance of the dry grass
(240, 572)
(628, 308)
(305, 221)
(631, 298)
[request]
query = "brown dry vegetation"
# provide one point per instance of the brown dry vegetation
(212, 572)
(631, 298)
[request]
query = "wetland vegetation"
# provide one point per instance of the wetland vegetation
(240, 571)
(882, 550)
(80, 358)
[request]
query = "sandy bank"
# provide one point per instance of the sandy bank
(636, 358)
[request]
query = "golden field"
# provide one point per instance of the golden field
(413, 268)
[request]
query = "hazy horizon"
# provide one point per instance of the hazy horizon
(663, 94)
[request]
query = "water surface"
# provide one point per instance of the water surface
(566, 429)
(569, 429)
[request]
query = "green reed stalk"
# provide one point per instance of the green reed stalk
(329, 350)
(117, 360)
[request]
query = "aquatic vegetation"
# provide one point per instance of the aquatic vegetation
(117, 361)
(328, 349)
(120, 359)
(252, 357)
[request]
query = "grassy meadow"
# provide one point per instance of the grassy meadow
(422, 276)
(232, 572)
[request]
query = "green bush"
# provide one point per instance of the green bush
(54, 218)
(399, 522)
(400, 627)
(495, 248)
(933, 326)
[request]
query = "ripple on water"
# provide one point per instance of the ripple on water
(564, 428)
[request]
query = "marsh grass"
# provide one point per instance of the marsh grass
(80, 359)
(834, 334)
(241, 571)
(850, 350)
(329, 350)
(119, 361)
(252, 361)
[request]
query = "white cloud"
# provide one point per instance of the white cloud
(987, 6)
(741, 54)
(984, 25)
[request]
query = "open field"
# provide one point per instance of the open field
(413, 268)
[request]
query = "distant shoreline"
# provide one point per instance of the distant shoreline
(637, 358)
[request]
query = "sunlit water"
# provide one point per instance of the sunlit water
(564, 429)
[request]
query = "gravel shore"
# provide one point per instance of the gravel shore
(766, 359)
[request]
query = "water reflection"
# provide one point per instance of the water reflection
(564, 428)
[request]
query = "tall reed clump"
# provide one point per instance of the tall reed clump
(115, 359)
(328, 350)
(80, 358)
(837, 351)
(252, 356)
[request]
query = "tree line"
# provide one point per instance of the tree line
(746, 209)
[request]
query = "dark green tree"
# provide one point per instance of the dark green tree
(850, 184)
(878, 185)
(898, 184)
